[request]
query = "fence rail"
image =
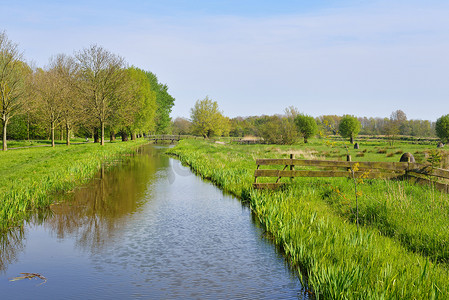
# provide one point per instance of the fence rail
(328, 168)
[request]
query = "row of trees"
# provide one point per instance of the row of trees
(207, 119)
(93, 91)
(328, 124)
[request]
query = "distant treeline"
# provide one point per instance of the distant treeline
(277, 128)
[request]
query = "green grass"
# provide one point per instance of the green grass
(28, 176)
(401, 249)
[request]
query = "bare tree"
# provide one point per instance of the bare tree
(101, 81)
(49, 92)
(67, 73)
(12, 82)
(397, 121)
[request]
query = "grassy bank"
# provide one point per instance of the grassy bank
(27, 176)
(400, 250)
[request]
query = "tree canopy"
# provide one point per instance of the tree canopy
(164, 103)
(306, 125)
(142, 118)
(102, 81)
(13, 73)
(208, 120)
(349, 127)
(442, 128)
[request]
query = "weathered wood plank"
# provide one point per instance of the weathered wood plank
(270, 186)
(369, 170)
(329, 173)
(442, 173)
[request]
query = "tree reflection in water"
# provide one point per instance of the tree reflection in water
(96, 212)
(12, 241)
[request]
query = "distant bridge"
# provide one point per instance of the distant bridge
(168, 137)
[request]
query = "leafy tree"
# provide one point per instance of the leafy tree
(12, 82)
(421, 128)
(328, 124)
(278, 130)
(143, 102)
(397, 124)
(442, 128)
(248, 126)
(55, 94)
(238, 126)
(291, 112)
(66, 71)
(349, 127)
(225, 125)
(17, 128)
(164, 103)
(48, 95)
(391, 130)
(181, 126)
(369, 126)
(207, 119)
(102, 81)
(306, 125)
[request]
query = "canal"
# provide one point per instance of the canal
(144, 228)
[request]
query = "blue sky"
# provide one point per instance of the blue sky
(366, 58)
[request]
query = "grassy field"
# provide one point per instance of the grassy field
(28, 176)
(33, 143)
(401, 249)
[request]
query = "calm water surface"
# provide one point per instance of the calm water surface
(146, 228)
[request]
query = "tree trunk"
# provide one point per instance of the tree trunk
(28, 126)
(305, 140)
(4, 123)
(124, 136)
(96, 137)
(67, 130)
(112, 135)
(102, 134)
(52, 125)
(133, 136)
(351, 139)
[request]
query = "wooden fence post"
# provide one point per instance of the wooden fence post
(255, 177)
(292, 167)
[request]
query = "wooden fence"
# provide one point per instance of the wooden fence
(421, 173)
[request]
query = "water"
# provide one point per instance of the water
(146, 228)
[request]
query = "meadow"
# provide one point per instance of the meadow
(400, 250)
(29, 177)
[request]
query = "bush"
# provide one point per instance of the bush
(278, 130)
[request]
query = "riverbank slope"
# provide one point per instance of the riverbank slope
(396, 254)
